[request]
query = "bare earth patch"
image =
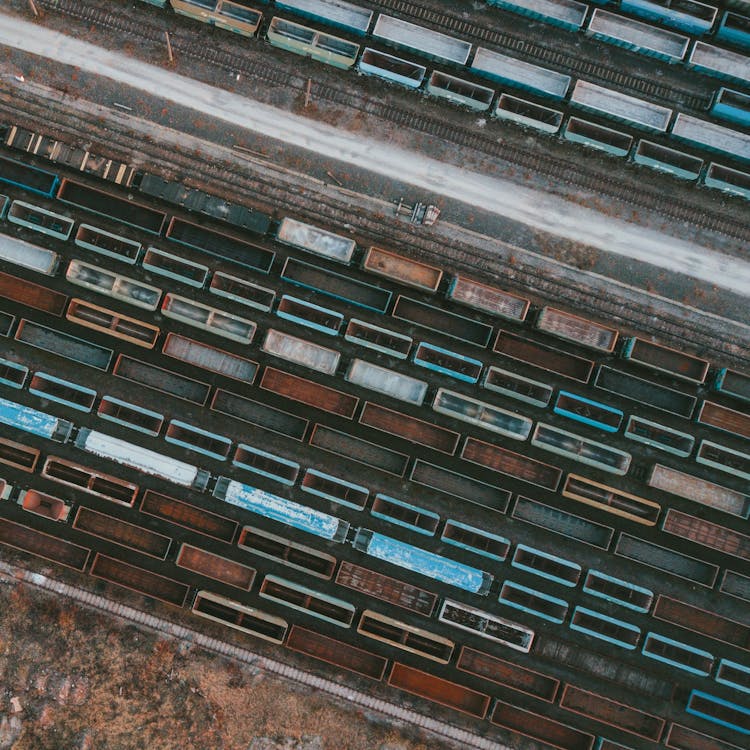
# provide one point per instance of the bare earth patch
(74, 679)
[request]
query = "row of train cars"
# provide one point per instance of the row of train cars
(729, 29)
(424, 277)
(702, 137)
(602, 417)
(378, 588)
(574, 406)
(427, 279)
(615, 632)
(421, 276)
(238, 217)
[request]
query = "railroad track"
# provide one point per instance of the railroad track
(571, 64)
(607, 183)
(171, 629)
(229, 179)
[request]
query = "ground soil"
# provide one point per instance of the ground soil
(86, 681)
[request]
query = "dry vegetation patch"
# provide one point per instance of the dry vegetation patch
(84, 681)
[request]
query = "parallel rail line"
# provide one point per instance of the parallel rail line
(568, 172)
(228, 179)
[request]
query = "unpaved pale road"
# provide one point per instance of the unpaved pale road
(537, 209)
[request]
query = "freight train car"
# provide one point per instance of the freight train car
(141, 459)
(338, 13)
(66, 392)
(637, 36)
(285, 552)
(33, 295)
(240, 617)
(46, 546)
(92, 481)
(33, 179)
(398, 634)
(40, 220)
(63, 153)
(312, 43)
(118, 286)
(33, 421)
(336, 653)
(420, 561)
(315, 240)
(24, 254)
(232, 15)
(511, 634)
(281, 510)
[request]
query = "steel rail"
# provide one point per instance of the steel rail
(228, 179)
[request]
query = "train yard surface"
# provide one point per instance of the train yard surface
(450, 487)
(322, 91)
(567, 218)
